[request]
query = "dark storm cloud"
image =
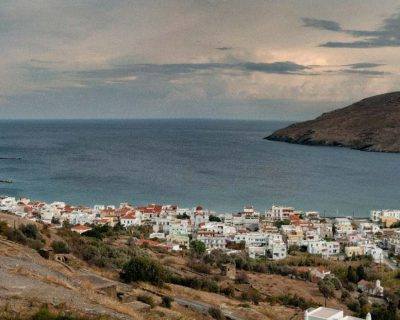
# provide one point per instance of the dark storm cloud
(388, 35)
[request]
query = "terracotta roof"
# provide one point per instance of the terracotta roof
(129, 215)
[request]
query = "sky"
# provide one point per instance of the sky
(232, 59)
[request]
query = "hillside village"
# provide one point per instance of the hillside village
(270, 234)
(281, 242)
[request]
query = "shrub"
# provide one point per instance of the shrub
(345, 295)
(166, 301)
(292, 301)
(99, 231)
(197, 247)
(213, 218)
(195, 283)
(16, 235)
(146, 299)
(45, 314)
(30, 231)
(228, 291)
(3, 228)
(354, 306)
(242, 278)
(201, 267)
(96, 252)
(216, 313)
(55, 220)
(60, 247)
(143, 268)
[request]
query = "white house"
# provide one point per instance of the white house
(255, 252)
(343, 226)
(212, 240)
(278, 250)
(322, 313)
(8, 203)
(378, 215)
(279, 213)
(131, 219)
(252, 238)
(375, 252)
(324, 248)
(79, 217)
(180, 227)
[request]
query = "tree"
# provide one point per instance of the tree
(281, 223)
(197, 247)
(327, 288)
(55, 220)
(143, 268)
(183, 216)
(360, 272)
(352, 275)
(214, 218)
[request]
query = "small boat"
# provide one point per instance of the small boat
(6, 181)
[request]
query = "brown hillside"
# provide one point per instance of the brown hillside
(372, 124)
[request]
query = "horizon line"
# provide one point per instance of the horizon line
(160, 118)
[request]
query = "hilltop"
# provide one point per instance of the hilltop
(372, 124)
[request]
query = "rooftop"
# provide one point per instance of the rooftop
(325, 313)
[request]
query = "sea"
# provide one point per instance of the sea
(222, 165)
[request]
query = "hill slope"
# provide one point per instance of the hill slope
(372, 124)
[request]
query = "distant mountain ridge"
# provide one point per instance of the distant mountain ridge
(371, 124)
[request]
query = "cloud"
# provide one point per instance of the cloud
(171, 70)
(365, 72)
(286, 67)
(321, 24)
(387, 35)
(224, 48)
(363, 65)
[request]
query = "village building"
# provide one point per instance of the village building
(322, 313)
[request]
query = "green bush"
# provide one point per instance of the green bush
(147, 300)
(214, 218)
(99, 232)
(95, 251)
(167, 302)
(3, 228)
(291, 300)
(60, 247)
(143, 268)
(197, 247)
(16, 235)
(195, 283)
(30, 231)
